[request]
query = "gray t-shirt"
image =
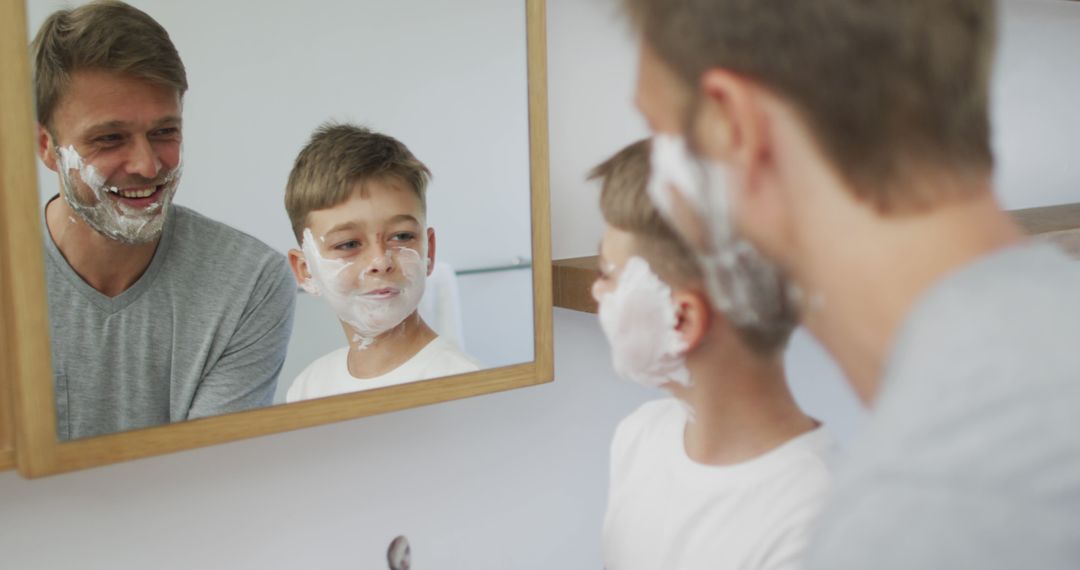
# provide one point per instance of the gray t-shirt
(972, 456)
(202, 332)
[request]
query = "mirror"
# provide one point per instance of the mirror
(461, 85)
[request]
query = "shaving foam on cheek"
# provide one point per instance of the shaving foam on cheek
(370, 303)
(109, 217)
(639, 319)
(741, 283)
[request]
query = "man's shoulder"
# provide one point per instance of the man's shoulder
(1031, 283)
(209, 250)
(1017, 308)
(217, 239)
(982, 378)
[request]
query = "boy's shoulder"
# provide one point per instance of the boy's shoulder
(647, 420)
(442, 357)
(319, 376)
(653, 411)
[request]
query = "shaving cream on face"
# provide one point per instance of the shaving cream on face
(639, 319)
(741, 283)
(110, 217)
(359, 296)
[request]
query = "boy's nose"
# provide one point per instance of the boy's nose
(381, 264)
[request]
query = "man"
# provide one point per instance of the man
(157, 314)
(850, 142)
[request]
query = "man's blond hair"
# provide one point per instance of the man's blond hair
(107, 35)
(339, 156)
(891, 89)
(626, 205)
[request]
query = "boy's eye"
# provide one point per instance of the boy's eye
(403, 236)
(347, 245)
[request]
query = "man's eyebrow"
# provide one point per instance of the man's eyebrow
(170, 120)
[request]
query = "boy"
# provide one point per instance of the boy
(729, 473)
(356, 202)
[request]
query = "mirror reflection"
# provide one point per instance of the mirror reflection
(255, 204)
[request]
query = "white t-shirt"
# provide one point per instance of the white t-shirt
(666, 511)
(329, 375)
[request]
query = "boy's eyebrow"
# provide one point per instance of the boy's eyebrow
(404, 218)
(352, 225)
(344, 226)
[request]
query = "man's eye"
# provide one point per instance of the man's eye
(109, 139)
(347, 245)
(166, 132)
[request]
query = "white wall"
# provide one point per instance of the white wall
(513, 480)
(1036, 115)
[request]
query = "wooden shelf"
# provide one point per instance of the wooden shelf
(1060, 225)
(572, 283)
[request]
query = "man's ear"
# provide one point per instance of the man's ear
(694, 317)
(300, 270)
(45, 147)
(737, 126)
(430, 251)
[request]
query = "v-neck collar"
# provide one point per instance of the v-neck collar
(129, 295)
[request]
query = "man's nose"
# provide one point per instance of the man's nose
(143, 160)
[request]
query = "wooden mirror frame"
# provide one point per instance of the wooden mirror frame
(28, 438)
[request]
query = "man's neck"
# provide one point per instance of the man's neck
(865, 273)
(740, 404)
(107, 265)
(368, 359)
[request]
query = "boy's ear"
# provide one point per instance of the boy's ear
(300, 270)
(44, 148)
(430, 251)
(694, 317)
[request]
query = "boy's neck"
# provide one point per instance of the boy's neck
(389, 350)
(741, 405)
(107, 265)
(869, 285)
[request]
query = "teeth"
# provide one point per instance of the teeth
(145, 193)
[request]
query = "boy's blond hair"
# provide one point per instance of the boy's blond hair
(626, 206)
(337, 157)
(101, 36)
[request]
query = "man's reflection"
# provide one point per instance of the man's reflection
(157, 314)
(356, 200)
